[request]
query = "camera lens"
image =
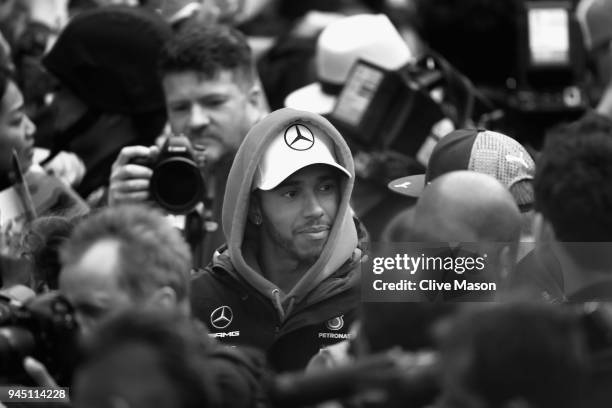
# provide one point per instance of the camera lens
(177, 185)
(15, 344)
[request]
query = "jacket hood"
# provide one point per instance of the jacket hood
(342, 240)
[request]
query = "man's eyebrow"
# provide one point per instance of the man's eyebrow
(288, 183)
(327, 177)
(17, 108)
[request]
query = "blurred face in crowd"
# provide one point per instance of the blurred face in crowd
(456, 393)
(130, 375)
(16, 130)
(92, 284)
(215, 113)
(297, 216)
(67, 109)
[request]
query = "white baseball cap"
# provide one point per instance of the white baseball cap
(293, 149)
(371, 37)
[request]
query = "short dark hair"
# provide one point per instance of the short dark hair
(152, 252)
(180, 347)
(534, 352)
(573, 182)
(208, 50)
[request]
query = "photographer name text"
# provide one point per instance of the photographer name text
(416, 269)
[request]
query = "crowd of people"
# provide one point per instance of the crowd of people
(246, 285)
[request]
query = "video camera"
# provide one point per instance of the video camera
(43, 328)
(177, 184)
(551, 59)
(398, 111)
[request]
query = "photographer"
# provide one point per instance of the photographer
(212, 97)
(130, 256)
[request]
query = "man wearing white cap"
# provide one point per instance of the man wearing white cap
(372, 38)
(287, 281)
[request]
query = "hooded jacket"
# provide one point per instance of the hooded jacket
(236, 300)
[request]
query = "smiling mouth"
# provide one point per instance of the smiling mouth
(314, 229)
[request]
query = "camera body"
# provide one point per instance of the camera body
(177, 184)
(43, 328)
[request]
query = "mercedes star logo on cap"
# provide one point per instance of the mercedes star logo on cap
(299, 137)
(221, 317)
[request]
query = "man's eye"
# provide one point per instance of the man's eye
(290, 194)
(328, 186)
(17, 120)
(179, 108)
(214, 102)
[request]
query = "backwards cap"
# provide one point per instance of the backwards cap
(482, 151)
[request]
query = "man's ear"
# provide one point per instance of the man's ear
(257, 103)
(164, 297)
(542, 229)
(507, 260)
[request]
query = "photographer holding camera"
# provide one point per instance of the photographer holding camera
(212, 98)
(118, 259)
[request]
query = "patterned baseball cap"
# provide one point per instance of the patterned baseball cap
(482, 151)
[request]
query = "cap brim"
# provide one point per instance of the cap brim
(311, 98)
(273, 182)
(411, 186)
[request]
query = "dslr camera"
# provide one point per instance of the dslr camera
(43, 328)
(177, 184)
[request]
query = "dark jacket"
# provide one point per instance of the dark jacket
(323, 318)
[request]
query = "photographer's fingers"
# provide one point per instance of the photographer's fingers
(129, 153)
(38, 372)
(129, 191)
(130, 171)
(129, 182)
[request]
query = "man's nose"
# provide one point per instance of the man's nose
(198, 117)
(85, 324)
(30, 127)
(313, 207)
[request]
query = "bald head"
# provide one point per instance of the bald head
(465, 206)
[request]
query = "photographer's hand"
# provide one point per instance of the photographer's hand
(129, 182)
(38, 372)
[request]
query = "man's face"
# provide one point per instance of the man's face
(130, 375)
(92, 285)
(16, 130)
(299, 213)
(215, 113)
